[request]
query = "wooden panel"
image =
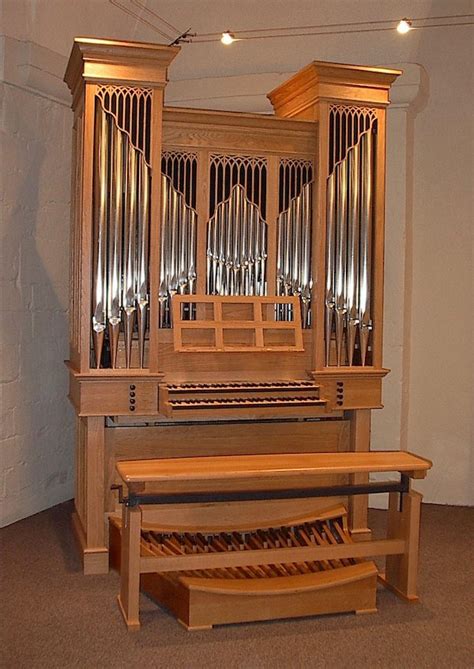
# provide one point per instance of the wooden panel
(236, 132)
(240, 516)
(221, 438)
(197, 605)
(352, 388)
(109, 397)
(94, 483)
(168, 441)
(155, 228)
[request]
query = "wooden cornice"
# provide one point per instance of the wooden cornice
(332, 82)
(104, 61)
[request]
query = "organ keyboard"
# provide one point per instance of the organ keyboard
(227, 302)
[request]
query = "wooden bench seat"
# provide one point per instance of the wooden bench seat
(243, 472)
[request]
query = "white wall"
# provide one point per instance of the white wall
(428, 326)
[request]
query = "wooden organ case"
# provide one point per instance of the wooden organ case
(226, 302)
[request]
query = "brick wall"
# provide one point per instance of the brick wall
(36, 421)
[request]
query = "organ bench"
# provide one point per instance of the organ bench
(267, 568)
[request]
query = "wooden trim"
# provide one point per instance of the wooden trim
(87, 224)
(363, 549)
(294, 584)
(128, 599)
(155, 228)
(202, 208)
(319, 239)
(218, 325)
(95, 467)
(106, 60)
(379, 242)
(359, 443)
(273, 163)
(402, 571)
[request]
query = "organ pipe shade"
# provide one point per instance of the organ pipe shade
(293, 270)
(349, 232)
(178, 231)
(121, 221)
(237, 230)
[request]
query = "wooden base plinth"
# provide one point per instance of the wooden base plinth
(362, 612)
(200, 603)
(94, 560)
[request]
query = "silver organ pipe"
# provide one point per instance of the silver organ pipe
(365, 244)
(341, 256)
(129, 303)
(330, 255)
(115, 240)
(99, 283)
(353, 252)
(143, 255)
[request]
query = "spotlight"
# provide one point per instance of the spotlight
(227, 38)
(404, 26)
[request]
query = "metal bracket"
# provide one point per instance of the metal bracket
(119, 488)
(135, 499)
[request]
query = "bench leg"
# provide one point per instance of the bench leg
(129, 596)
(401, 571)
(359, 504)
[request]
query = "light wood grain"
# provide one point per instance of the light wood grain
(215, 471)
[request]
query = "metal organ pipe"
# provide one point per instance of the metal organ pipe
(365, 244)
(142, 255)
(115, 241)
(330, 255)
(130, 227)
(341, 257)
(353, 252)
(99, 282)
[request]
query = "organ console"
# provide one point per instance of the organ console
(226, 312)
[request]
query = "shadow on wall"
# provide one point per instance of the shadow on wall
(36, 448)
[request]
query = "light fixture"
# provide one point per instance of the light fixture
(404, 26)
(227, 38)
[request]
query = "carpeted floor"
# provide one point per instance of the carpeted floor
(53, 616)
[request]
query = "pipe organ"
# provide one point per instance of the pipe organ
(226, 302)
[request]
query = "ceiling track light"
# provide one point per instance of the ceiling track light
(404, 26)
(227, 37)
